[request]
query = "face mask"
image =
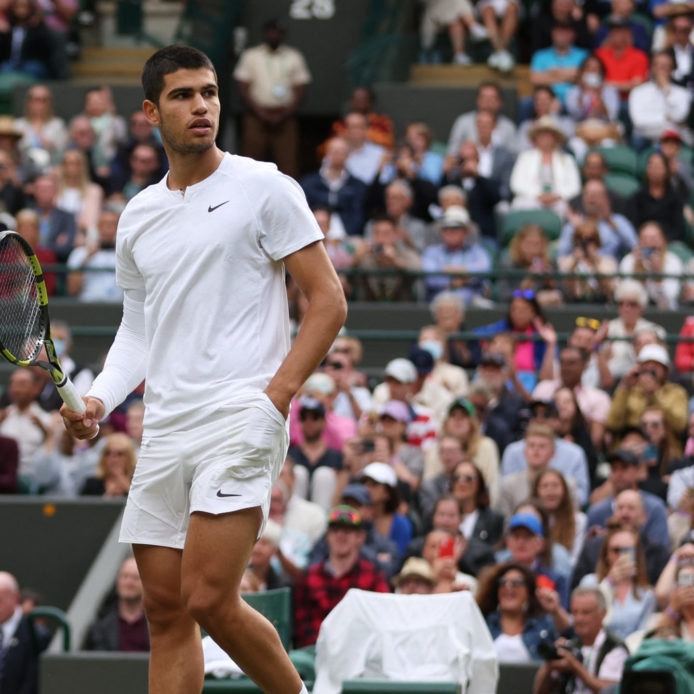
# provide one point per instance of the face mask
(434, 347)
(592, 79)
(59, 346)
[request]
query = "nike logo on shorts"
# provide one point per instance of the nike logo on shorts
(212, 209)
(222, 495)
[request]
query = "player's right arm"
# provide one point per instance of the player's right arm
(123, 370)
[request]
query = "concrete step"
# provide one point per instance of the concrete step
(112, 64)
(470, 76)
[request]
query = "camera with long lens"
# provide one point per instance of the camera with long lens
(547, 650)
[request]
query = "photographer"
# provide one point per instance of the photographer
(590, 662)
(386, 251)
(651, 255)
(647, 384)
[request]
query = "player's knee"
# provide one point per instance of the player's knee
(206, 604)
(164, 609)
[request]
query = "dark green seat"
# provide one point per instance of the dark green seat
(619, 159)
(515, 219)
(681, 250)
(622, 184)
(276, 606)
(389, 687)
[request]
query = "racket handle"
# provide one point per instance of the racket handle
(71, 396)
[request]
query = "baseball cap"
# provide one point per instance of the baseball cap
(492, 359)
(415, 567)
(402, 370)
(319, 383)
(358, 492)
(527, 521)
(622, 455)
(455, 216)
(345, 516)
(549, 404)
(399, 411)
(656, 353)
(670, 134)
(306, 402)
(463, 404)
(422, 359)
(381, 473)
(272, 23)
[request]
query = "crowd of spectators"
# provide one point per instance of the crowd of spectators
(553, 481)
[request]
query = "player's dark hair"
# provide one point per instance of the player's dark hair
(167, 60)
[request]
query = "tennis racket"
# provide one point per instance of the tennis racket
(24, 325)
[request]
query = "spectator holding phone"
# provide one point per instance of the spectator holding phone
(444, 550)
(621, 576)
(679, 612)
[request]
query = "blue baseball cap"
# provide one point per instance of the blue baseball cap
(527, 521)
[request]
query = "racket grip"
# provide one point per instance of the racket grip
(71, 396)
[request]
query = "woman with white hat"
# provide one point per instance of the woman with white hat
(544, 176)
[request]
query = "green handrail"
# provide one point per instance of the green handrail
(56, 615)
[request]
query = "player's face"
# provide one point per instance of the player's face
(188, 111)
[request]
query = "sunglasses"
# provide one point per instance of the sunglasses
(513, 582)
(464, 478)
(592, 323)
(310, 414)
(344, 517)
(524, 294)
(337, 365)
(543, 414)
(654, 424)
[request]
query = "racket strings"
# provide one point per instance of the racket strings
(21, 328)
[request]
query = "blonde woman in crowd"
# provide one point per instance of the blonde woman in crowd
(42, 131)
(77, 193)
(114, 469)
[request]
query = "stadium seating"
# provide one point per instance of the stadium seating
(619, 159)
(514, 220)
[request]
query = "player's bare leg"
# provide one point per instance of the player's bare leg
(176, 665)
(215, 556)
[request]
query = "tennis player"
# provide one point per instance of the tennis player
(201, 257)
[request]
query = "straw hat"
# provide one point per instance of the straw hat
(546, 124)
(7, 127)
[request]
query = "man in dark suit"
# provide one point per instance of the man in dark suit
(57, 228)
(682, 50)
(482, 193)
(20, 643)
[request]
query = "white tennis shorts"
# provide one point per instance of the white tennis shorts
(227, 464)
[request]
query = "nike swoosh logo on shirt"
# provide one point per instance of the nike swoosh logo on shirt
(212, 209)
(221, 494)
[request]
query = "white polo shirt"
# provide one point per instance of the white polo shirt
(209, 265)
